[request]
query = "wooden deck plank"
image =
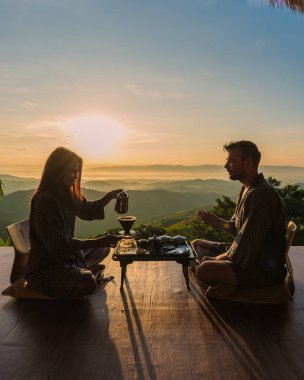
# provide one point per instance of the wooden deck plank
(154, 329)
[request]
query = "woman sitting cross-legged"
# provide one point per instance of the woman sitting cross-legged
(59, 264)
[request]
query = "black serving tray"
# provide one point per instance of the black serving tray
(167, 251)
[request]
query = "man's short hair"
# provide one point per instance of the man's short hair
(246, 149)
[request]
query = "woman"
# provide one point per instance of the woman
(57, 264)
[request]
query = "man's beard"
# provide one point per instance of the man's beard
(238, 176)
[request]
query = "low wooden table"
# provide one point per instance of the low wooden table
(128, 258)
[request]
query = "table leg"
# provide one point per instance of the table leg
(123, 274)
(186, 274)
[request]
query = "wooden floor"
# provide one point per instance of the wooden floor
(154, 329)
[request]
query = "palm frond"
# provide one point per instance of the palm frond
(295, 5)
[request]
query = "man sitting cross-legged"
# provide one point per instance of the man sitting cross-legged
(256, 256)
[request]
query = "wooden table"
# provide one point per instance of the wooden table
(126, 259)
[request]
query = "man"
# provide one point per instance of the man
(256, 256)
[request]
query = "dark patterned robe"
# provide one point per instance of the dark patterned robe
(56, 264)
(257, 253)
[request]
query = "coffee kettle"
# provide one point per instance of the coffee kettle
(122, 201)
(155, 244)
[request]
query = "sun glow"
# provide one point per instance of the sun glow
(94, 136)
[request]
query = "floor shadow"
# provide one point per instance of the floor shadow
(138, 326)
(63, 339)
(246, 330)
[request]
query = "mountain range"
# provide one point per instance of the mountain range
(151, 200)
(146, 205)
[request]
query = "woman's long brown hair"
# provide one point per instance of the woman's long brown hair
(58, 162)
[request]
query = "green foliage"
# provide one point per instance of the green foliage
(274, 182)
(192, 228)
(110, 231)
(224, 209)
(1, 189)
(293, 197)
(200, 230)
(144, 231)
(6, 243)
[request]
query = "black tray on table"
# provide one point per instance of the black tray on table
(167, 251)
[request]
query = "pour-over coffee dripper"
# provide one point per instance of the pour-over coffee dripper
(128, 243)
(127, 223)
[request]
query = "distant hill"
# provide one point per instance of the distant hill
(158, 168)
(198, 186)
(283, 173)
(12, 183)
(189, 168)
(145, 205)
(197, 179)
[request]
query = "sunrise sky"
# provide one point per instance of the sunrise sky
(149, 82)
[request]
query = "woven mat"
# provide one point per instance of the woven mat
(271, 295)
(20, 289)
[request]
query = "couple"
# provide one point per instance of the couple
(62, 266)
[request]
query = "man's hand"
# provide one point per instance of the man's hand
(208, 218)
(223, 256)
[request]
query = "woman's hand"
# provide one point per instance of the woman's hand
(113, 194)
(110, 196)
(107, 241)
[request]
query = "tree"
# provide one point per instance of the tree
(1, 189)
(293, 198)
(3, 243)
(295, 5)
(292, 195)
(224, 209)
(144, 231)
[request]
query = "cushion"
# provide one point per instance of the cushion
(272, 295)
(20, 289)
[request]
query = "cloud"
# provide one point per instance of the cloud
(16, 90)
(46, 129)
(30, 105)
(24, 3)
(17, 135)
(141, 92)
(139, 137)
